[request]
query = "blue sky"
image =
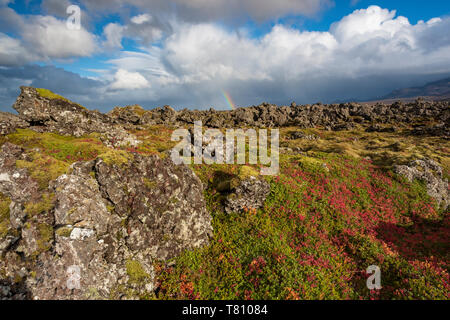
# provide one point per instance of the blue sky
(414, 10)
(187, 53)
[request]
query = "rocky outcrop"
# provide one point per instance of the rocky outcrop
(301, 135)
(97, 230)
(19, 188)
(441, 130)
(336, 117)
(250, 194)
(162, 203)
(9, 123)
(430, 172)
(378, 128)
(59, 115)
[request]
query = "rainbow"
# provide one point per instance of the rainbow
(229, 101)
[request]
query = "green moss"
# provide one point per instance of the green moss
(44, 205)
(173, 200)
(64, 232)
(116, 157)
(137, 109)
(4, 215)
(384, 148)
(63, 148)
(135, 271)
(43, 168)
(227, 184)
(93, 294)
(46, 237)
(149, 183)
(2, 140)
(225, 178)
(17, 279)
(45, 93)
(247, 171)
(154, 140)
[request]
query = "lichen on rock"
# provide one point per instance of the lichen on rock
(53, 113)
(430, 172)
(250, 194)
(99, 220)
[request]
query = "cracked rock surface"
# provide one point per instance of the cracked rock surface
(251, 193)
(101, 229)
(430, 172)
(66, 118)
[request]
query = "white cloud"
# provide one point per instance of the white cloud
(140, 19)
(113, 33)
(148, 63)
(363, 55)
(129, 80)
(44, 37)
(366, 39)
(12, 53)
(371, 22)
(51, 38)
(143, 28)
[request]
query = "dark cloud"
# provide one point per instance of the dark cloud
(68, 84)
(56, 8)
(213, 10)
(10, 21)
(147, 28)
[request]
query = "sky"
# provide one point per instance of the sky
(200, 54)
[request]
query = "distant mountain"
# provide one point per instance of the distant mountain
(438, 90)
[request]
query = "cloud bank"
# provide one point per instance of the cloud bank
(366, 54)
(213, 10)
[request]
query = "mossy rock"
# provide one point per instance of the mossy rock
(43, 168)
(64, 232)
(247, 172)
(4, 215)
(116, 157)
(46, 237)
(45, 93)
(63, 148)
(227, 182)
(44, 205)
(137, 109)
(135, 271)
(227, 185)
(150, 184)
